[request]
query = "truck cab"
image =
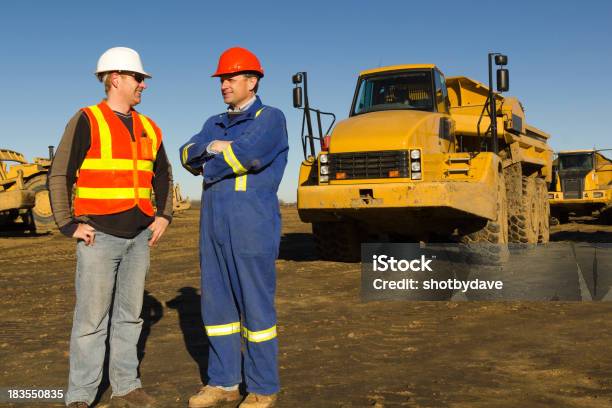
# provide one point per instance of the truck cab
(398, 114)
(402, 87)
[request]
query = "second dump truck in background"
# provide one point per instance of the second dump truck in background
(416, 160)
(583, 185)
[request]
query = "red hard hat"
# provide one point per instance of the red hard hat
(238, 59)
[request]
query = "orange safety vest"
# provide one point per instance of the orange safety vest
(117, 172)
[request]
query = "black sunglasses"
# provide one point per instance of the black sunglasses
(136, 75)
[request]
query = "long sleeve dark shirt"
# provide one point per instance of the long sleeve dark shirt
(63, 174)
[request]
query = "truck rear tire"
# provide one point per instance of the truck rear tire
(544, 213)
(337, 241)
(43, 216)
(489, 244)
(524, 223)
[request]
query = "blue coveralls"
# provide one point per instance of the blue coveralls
(239, 240)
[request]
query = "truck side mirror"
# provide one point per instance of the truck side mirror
(503, 80)
(501, 59)
(297, 97)
(297, 78)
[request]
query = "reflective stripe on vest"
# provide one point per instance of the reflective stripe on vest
(116, 164)
(106, 141)
(112, 193)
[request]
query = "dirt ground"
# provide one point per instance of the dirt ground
(335, 351)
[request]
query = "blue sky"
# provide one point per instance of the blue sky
(560, 59)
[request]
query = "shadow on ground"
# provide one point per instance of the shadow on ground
(297, 246)
(20, 233)
(581, 236)
(187, 305)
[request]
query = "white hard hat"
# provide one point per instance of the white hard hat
(120, 59)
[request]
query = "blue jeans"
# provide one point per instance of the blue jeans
(118, 266)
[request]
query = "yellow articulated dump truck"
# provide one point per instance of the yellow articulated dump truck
(423, 157)
(583, 185)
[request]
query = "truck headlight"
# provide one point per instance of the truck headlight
(323, 179)
(415, 166)
(324, 169)
(415, 154)
(415, 176)
(323, 158)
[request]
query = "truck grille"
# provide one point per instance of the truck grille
(572, 188)
(368, 165)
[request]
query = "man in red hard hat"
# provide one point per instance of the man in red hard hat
(241, 154)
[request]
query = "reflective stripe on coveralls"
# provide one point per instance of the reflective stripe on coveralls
(184, 157)
(223, 329)
(184, 154)
(232, 161)
(259, 336)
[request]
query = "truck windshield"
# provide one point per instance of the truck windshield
(576, 162)
(405, 90)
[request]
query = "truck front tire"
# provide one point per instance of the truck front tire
(337, 241)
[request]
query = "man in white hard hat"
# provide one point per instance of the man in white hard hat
(120, 160)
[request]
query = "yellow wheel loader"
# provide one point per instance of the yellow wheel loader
(16, 200)
(423, 157)
(35, 180)
(179, 203)
(583, 185)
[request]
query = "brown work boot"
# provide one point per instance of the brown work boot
(78, 404)
(210, 396)
(135, 399)
(258, 401)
